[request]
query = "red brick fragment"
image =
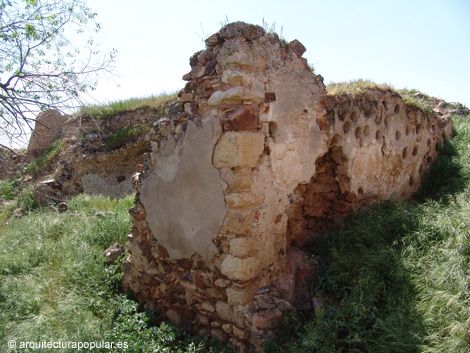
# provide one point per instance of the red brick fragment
(269, 97)
(245, 117)
(297, 47)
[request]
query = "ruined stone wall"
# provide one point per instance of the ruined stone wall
(256, 160)
(90, 163)
(48, 127)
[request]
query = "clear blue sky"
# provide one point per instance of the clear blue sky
(409, 44)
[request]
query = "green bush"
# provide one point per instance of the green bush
(9, 189)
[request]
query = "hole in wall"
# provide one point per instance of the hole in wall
(407, 130)
(335, 139)
(387, 121)
(419, 128)
(378, 117)
(412, 181)
(405, 152)
(354, 116)
(358, 132)
(366, 130)
(385, 104)
(397, 109)
(415, 151)
(272, 129)
(341, 115)
(378, 135)
(347, 127)
(398, 136)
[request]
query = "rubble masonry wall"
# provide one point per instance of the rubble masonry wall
(256, 159)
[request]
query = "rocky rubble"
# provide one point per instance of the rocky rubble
(255, 160)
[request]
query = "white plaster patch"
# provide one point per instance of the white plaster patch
(185, 213)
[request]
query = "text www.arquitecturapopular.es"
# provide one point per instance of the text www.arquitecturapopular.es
(67, 345)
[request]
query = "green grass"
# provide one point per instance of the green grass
(8, 189)
(156, 102)
(396, 277)
(417, 99)
(54, 284)
(45, 159)
(122, 136)
(356, 87)
(411, 97)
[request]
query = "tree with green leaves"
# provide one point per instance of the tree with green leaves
(48, 60)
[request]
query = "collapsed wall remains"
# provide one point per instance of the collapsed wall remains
(255, 161)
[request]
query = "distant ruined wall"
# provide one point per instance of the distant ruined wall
(48, 128)
(88, 163)
(255, 161)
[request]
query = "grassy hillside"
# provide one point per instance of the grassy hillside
(54, 284)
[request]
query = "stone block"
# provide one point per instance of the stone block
(208, 306)
(236, 95)
(238, 149)
(239, 221)
(267, 319)
(220, 282)
(174, 316)
(227, 328)
(186, 97)
(240, 333)
(240, 296)
(237, 200)
(240, 269)
(297, 47)
(238, 179)
(224, 310)
(243, 246)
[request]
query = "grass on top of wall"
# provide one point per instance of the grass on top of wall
(156, 102)
(412, 97)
